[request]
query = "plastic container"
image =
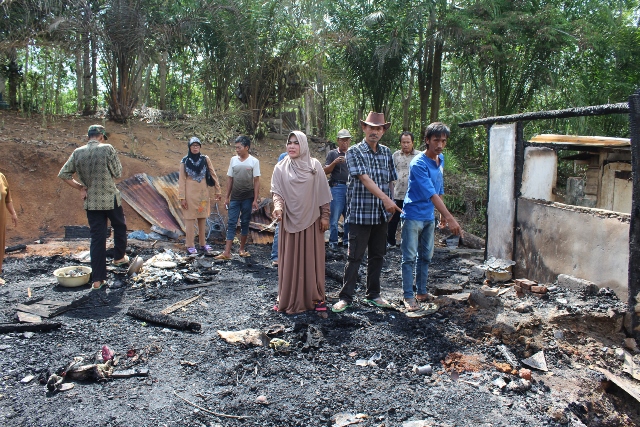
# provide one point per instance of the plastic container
(72, 282)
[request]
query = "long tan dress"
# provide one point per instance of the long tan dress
(5, 198)
(301, 266)
(196, 193)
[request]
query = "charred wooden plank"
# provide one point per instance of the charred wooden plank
(163, 319)
(136, 372)
(198, 285)
(595, 110)
(28, 327)
(471, 241)
(15, 248)
(179, 304)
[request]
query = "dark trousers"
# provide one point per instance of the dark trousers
(361, 238)
(98, 232)
(393, 224)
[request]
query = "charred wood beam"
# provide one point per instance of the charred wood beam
(15, 248)
(162, 319)
(472, 241)
(634, 227)
(335, 275)
(595, 110)
(6, 328)
(518, 172)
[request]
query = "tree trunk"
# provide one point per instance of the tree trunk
(14, 79)
(86, 73)
(162, 72)
(144, 96)
(307, 112)
(94, 73)
(59, 71)
(406, 102)
(437, 77)
(425, 75)
(24, 78)
(79, 93)
(45, 77)
(320, 113)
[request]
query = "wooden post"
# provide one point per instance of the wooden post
(634, 227)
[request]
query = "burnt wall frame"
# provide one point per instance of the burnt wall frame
(632, 107)
(634, 227)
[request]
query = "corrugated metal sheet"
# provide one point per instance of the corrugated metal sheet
(156, 200)
(167, 186)
(141, 195)
(260, 237)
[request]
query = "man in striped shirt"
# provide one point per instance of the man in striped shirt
(369, 209)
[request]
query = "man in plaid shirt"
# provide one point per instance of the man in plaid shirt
(369, 209)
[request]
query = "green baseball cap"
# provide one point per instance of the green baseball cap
(94, 129)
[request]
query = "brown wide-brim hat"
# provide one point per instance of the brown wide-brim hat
(376, 119)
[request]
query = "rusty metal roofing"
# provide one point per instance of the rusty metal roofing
(142, 196)
(260, 237)
(167, 186)
(156, 200)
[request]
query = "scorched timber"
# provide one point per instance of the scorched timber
(163, 319)
(6, 328)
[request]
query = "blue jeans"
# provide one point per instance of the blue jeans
(240, 208)
(274, 246)
(417, 251)
(338, 207)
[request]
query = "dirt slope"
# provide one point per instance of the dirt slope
(31, 156)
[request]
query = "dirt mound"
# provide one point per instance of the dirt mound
(32, 155)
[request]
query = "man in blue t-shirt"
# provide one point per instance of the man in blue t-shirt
(424, 193)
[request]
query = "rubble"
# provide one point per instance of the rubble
(314, 355)
(537, 361)
(498, 270)
(250, 337)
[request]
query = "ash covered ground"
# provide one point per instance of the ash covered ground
(320, 381)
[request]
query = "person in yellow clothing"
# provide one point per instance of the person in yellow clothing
(194, 194)
(5, 199)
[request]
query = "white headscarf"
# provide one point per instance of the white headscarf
(302, 184)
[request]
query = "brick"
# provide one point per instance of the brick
(539, 289)
(525, 284)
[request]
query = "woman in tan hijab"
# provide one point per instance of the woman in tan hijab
(5, 200)
(301, 197)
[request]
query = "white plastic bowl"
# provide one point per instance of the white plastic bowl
(72, 282)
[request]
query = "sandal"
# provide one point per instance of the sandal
(411, 304)
(94, 288)
(378, 302)
(244, 254)
(340, 306)
(222, 257)
(274, 263)
(321, 306)
(192, 251)
(123, 261)
(424, 298)
(206, 249)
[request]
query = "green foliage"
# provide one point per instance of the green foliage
(371, 48)
(244, 60)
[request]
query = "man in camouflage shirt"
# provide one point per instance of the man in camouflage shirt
(96, 165)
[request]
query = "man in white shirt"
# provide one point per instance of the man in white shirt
(242, 194)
